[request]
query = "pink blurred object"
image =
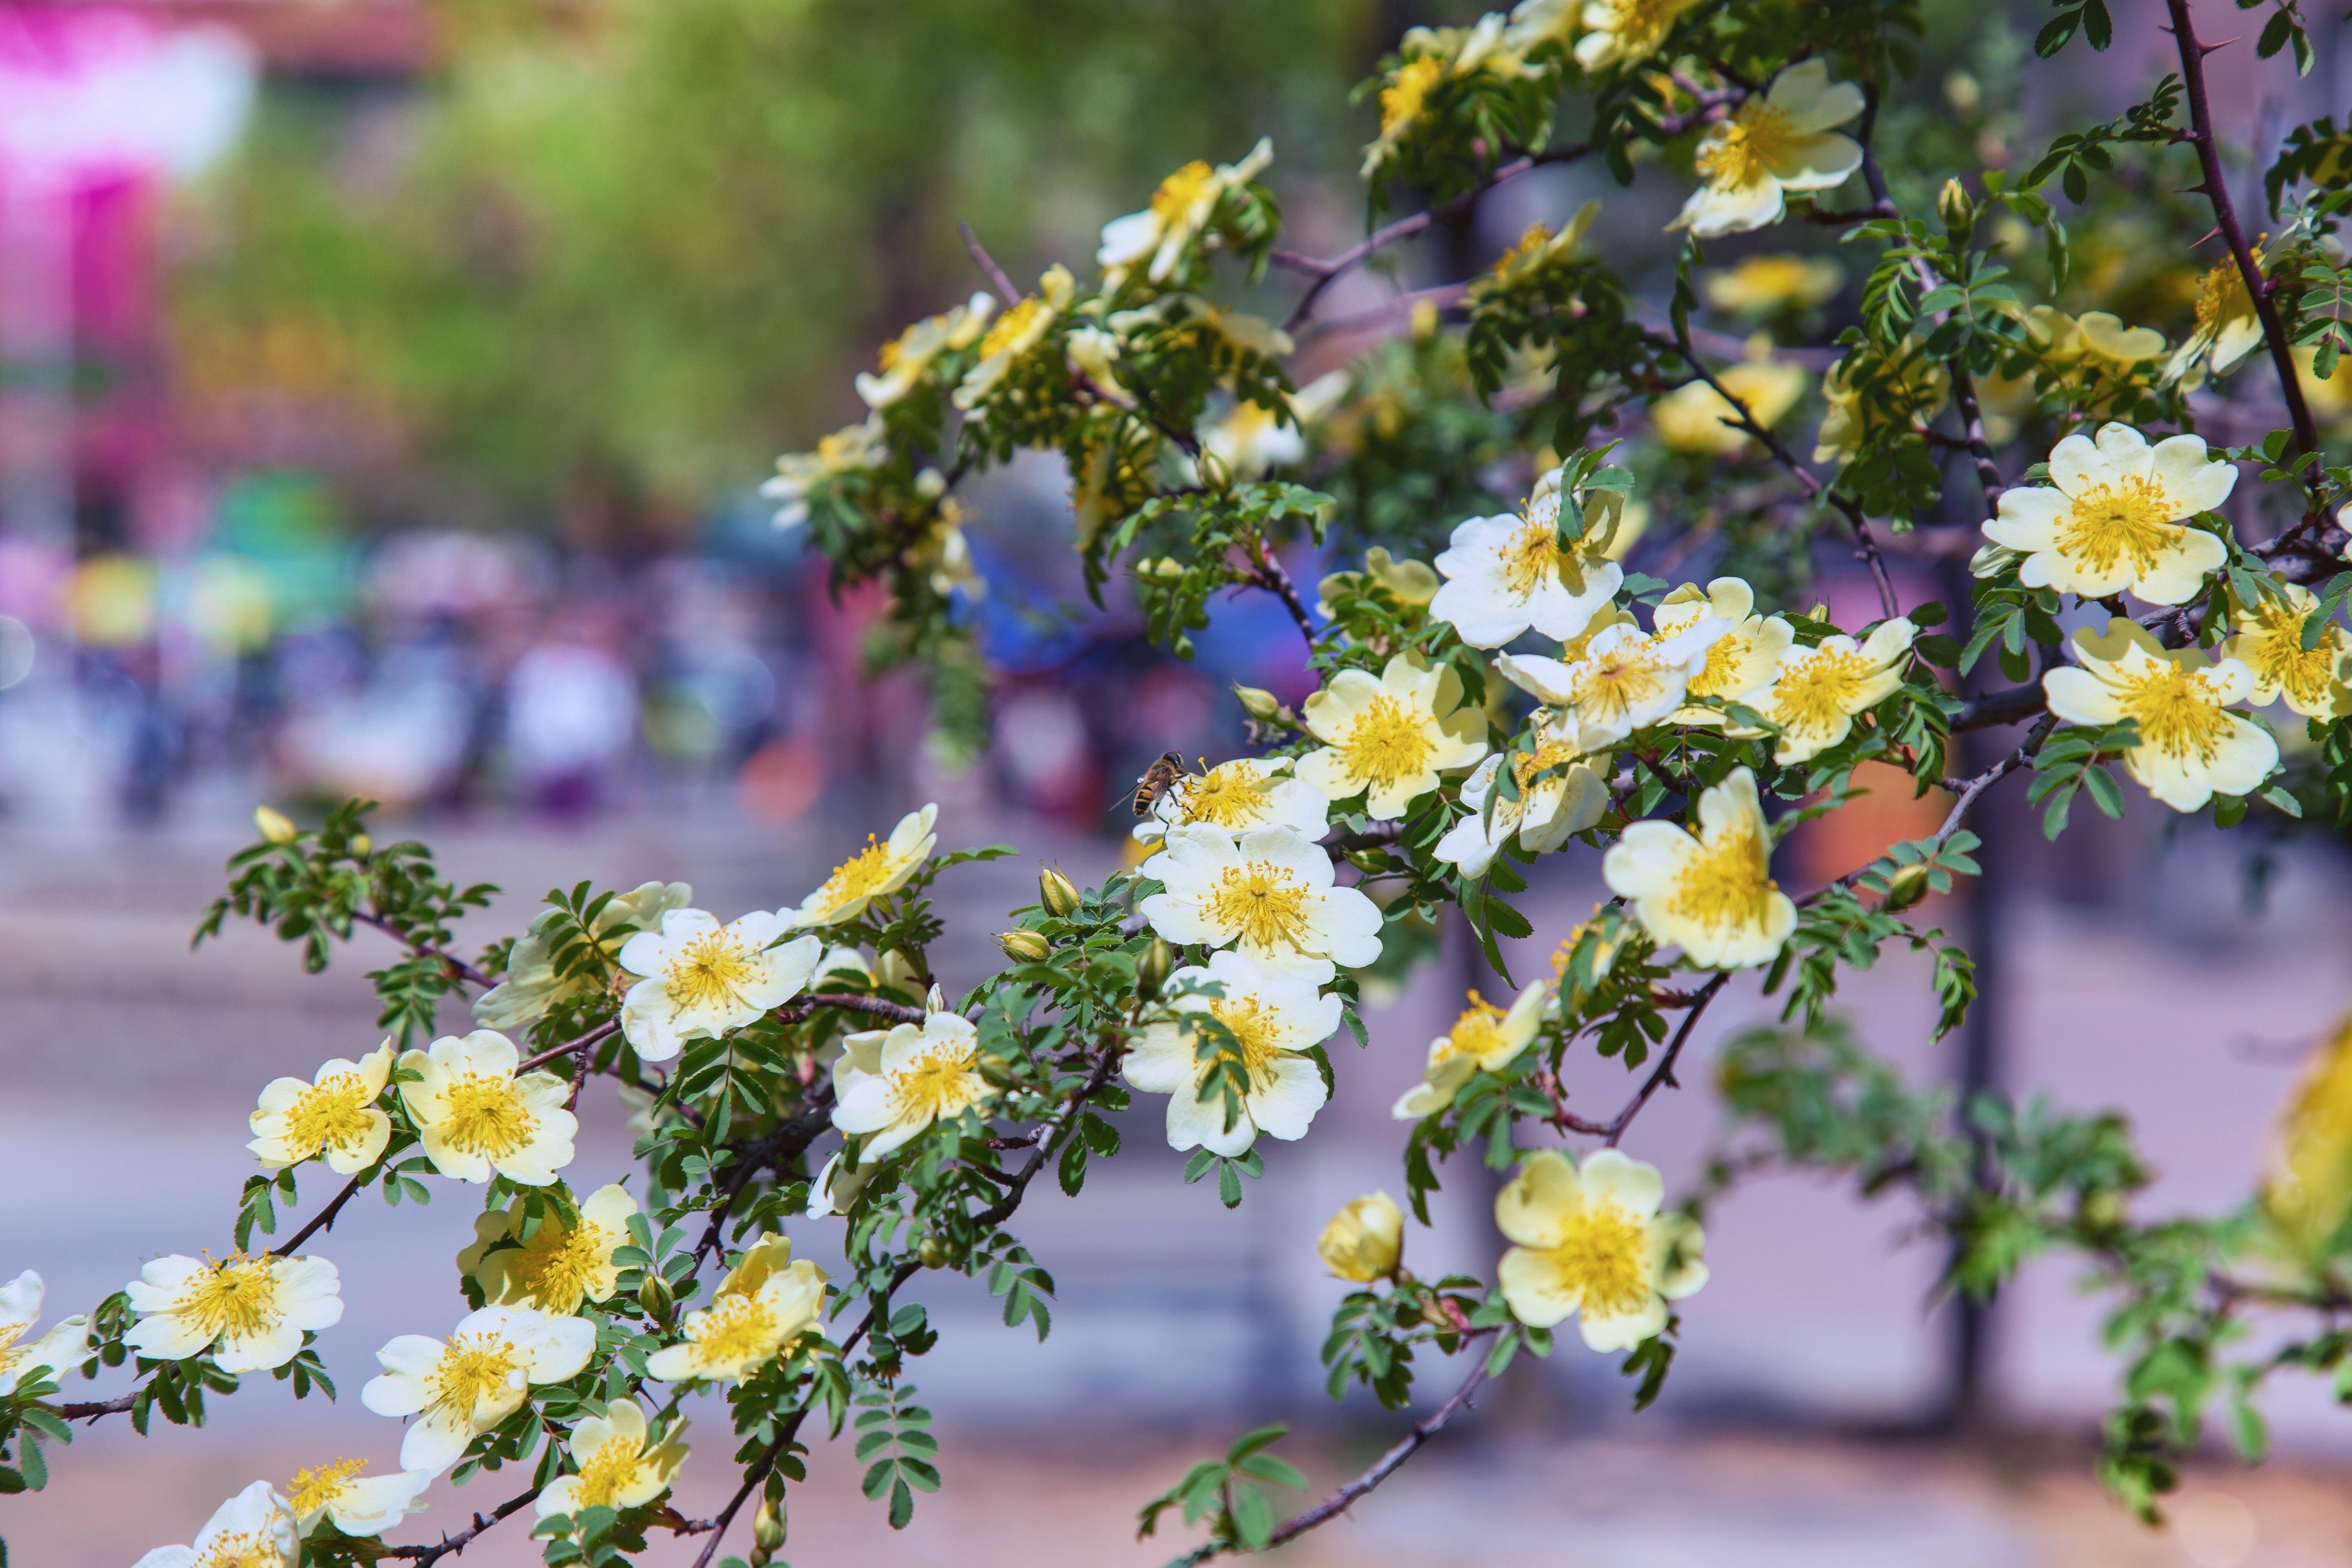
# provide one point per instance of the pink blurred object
(94, 95)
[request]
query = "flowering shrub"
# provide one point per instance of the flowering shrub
(1524, 686)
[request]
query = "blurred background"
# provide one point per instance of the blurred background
(385, 386)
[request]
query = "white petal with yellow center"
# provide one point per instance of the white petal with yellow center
(1270, 893)
(1711, 893)
(1592, 1244)
(1818, 690)
(63, 1349)
(1273, 1019)
(562, 1264)
(1560, 793)
(1779, 142)
(2112, 517)
(871, 873)
(356, 1503)
(1627, 679)
(250, 1312)
(2191, 747)
(764, 1301)
(1388, 738)
(702, 979)
(250, 1530)
(460, 1387)
(2267, 638)
(1508, 574)
(1484, 1037)
(475, 1115)
(620, 1466)
(921, 1076)
(335, 1115)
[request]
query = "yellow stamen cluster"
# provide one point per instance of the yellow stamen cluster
(1227, 796)
(1180, 190)
(858, 876)
(1402, 99)
(1603, 1254)
(316, 1488)
(1816, 694)
(238, 1296)
(736, 1327)
(2109, 523)
(1746, 151)
(709, 971)
(1011, 325)
(608, 1470)
(473, 1369)
(2177, 714)
(1260, 903)
(1386, 742)
(1252, 1024)
(937, 1084)
(486, 1116)
(1726, 887)
(332, 1114)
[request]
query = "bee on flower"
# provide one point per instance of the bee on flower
(1389, 737)
(1817, 691)
(475, 1115)
(1711, 892)
(1182, 207)
(461, 1387)
(619, 1466)
(356, 1504)
(1238, 795)
(1696, 417)
(1268, 892)
(562, 1263)
(1742, 661)
(1273, 1021)
(894, 1083)
(1365, 1240)
(1508, 574)
(1591, 1245)
(765, 1302)
(249, 1312)
(1484, 1039)
(702, 979)
(250, 1530)
(874, 872)
(2113, 517)
(2266, 636)
(1016, 332)
(64, 1349)
(532, 986)
(1559, 793)
(1783, 141)
(860, 448)
(335, 1115)
(2191, 746)
(906, 358)
(1627, 679)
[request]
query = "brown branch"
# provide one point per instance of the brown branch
(2216, 189)
(2001, 708)
(1268, 574)
(464, 1538)
(997, 276)
(325, 1218)
(1664, 1073)
(451, 961)
(600, 1032)
(91, 1412)
(800, 1010)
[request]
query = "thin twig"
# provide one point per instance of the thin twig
(449, 961)
(600, 1032)
(325, 1218)
(997, 276)
(1664, 1073)
(464, 1538)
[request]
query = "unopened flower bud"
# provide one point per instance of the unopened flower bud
(1907, 887)
(275, 825)
(935, 1000)
(655, 1297)
(768, 1526)
(1364, 1241)
(1056, 892)
(1026, 946)
(932, 1252)
(1152, 970)
(1258, 703)
(895, 970)
(1369, 859)
(1953, 205)
(361, 845)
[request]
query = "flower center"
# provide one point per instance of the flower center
(2130, 518)
(1725, 886)
(1640, 25)
(1602, 1255)
(2177, 712)
(1228, 795)
(1530, 243)
(708, 971)
(1252, 1024)
(735, 1330)
(486, 1116)
(1387, 742)
(1533, 555)
(237, 1299)
(857, 877)
(1012, 326)
(1744, 151)
(472, 1372)
(1824, 689)
(940, 1082)
(1402, 99)
(895, 350)
(608, 1469)
(243, 1550)
(1261, 905)
(1178, 191)
(1721, 676)
(1478, 1031)
(1550, 754)
(333, 1114)
(1610, 687)
(556, 1266)
(315, 1488)
(2220, 294)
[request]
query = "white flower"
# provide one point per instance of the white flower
(1270, 892)
(1626, 680)
(254, 1310)
(249, 1531)
(1592, 1243)
(1713, 893)
(561, 1265)
(1621, 32)
(1570, 799)
(906, 358)
(836, 1186)
(335, 1114)
(1818, 690)
(764, 1302)
(2267, 637)
(1250, 438)
(532, 986)
(1482, 1038)
(2191, 747)
(356, 1504)
(618, 1468)
(1016, 333)
(1508, 574)
(919, 1075)
(2111, 517)
(1781, 142)
(1389, 737)
(1274, 1020)
(1181, 208)
(1237, 795)
(475, 1116)
(1739, 663)
(2228, 328)
(461, 1387)
(855, 450)
(872, 872)
(60, 1351)
(703, 979)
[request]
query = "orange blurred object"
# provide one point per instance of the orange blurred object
(1852, 837)
(781, 779)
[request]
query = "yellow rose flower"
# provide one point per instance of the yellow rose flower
(1365, 1240)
